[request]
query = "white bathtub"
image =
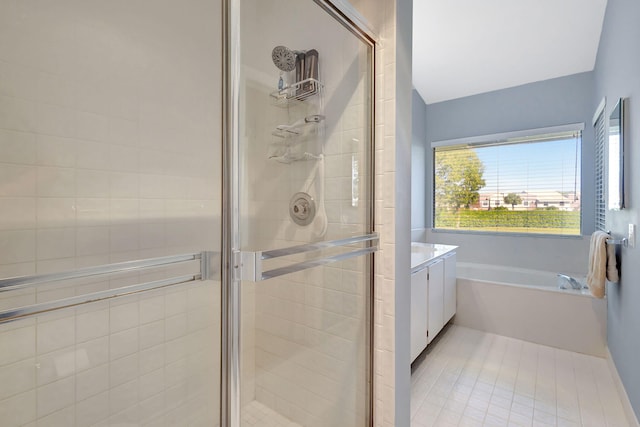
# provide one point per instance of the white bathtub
(528, 305)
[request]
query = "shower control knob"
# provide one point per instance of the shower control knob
(302, 208)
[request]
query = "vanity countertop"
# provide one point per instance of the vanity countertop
(422, 253)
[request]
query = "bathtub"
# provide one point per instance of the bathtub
(528, 305)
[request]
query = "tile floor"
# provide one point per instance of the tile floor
(473, 378)
(257, 414)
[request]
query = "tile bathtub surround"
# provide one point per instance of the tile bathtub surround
(474, 378)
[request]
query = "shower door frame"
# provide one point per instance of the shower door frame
(346, 15)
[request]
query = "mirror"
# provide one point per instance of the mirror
(615, 151)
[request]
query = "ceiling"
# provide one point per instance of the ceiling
(466, 47)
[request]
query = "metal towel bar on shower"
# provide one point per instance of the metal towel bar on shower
(248, 265)
(205, 273)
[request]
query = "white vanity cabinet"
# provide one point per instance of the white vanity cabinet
(435, 299)
(449, 286)
(418, 312)
(433, 292)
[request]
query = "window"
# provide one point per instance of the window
(521, 182)
(599, 125)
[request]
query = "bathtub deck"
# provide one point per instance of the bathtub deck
(475, 378)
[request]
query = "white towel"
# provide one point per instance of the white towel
(602, 264)
(612, 268)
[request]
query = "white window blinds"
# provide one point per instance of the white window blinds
(600, 136)
(529, 183)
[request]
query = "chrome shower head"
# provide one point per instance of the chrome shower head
(283, 58)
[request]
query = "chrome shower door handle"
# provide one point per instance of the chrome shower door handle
(249, 265)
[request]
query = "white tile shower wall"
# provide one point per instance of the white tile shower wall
(145, 359)
(310, 326)
(109, 151)
(382, 18)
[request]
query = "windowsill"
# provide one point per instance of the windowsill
(499, 234)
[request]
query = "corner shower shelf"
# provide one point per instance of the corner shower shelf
(289, 157)
(296, 92)
(300, 128)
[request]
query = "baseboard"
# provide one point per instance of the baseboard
(626, 404)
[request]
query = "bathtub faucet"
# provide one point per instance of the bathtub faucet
(572, 281)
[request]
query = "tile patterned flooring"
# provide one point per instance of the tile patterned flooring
(257, 414)
(474, 378)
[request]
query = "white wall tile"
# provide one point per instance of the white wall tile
(124, 316)
(17, 81)
(93, 353)
(17, 114)
(17, 344)
(92, 240)
(123, 370)
(55, 396)
(92, 184)
(92, 127)
(17, 213)
(92, 410)
(56, 182)
(53, 89)
(123, 238)
(17, 180)
(123, 343)
(18, 147)
(17, 378)
(56, 243)
(56, 120)
(18, 410)
(55, 365)
(55, 335)
(123, 132)
(123, 396)
(62, 418)
(92, 381)
(151, 308)
(123, 159)
(92, 155)
(92, 324)
(56, 151)
(56, 212)
(124, 185)
(92, 211)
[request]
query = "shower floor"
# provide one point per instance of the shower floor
(257, 414)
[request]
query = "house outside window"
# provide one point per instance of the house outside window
(521, 182)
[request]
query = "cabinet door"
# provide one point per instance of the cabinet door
(436, 299)
(449, 286)
(418, 312)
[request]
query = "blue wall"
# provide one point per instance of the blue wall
(418, 167)
(547, 103)
(617, 74)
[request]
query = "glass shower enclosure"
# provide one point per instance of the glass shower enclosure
(186, 214)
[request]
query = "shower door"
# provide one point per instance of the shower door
(303, 235)
(110, 213)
